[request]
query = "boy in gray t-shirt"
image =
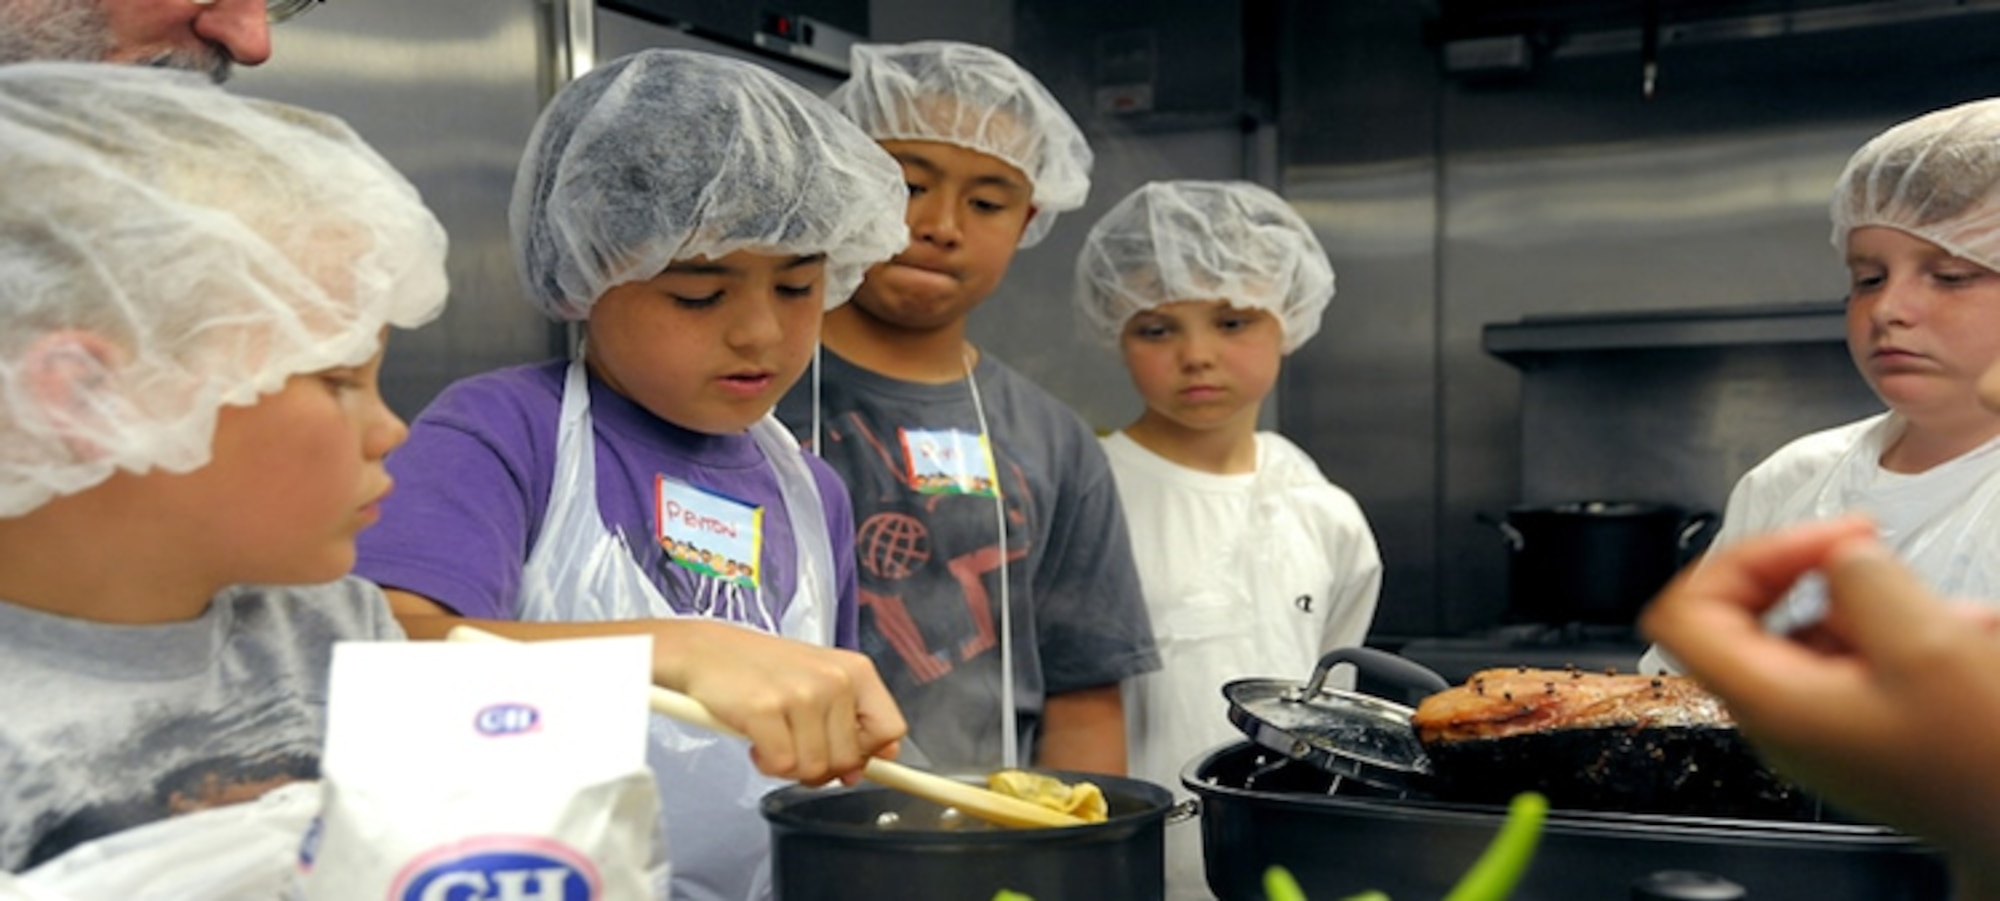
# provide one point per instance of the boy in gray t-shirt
(998, 595)
(194, 290)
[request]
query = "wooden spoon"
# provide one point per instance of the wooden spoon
(985, 804)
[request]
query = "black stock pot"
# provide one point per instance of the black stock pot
(1596, 561)
(870, 842)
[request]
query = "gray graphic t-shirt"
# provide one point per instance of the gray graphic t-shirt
(936, 478)
(107, 727)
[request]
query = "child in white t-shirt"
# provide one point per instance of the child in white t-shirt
(1252, 563)
(1914, 218)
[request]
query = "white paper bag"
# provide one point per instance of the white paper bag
(486, 772)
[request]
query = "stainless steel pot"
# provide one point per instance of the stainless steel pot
(1595, 561)
(867, 842)
(1259, 808)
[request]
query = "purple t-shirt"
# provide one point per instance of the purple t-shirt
(474, 480)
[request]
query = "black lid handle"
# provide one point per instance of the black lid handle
(1378, 664)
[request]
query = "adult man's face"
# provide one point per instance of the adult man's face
(180, 34)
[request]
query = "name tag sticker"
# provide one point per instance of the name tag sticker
(708, 533)
(949, 462)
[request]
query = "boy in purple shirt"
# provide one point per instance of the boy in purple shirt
(643, 487)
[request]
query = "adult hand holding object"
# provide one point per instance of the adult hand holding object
(1886, 706)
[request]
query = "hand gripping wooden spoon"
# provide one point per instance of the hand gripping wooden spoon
(971, 800)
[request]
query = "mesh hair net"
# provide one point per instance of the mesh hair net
(976, 98)
(668, 155)
(1936, 177)
(1172, 241)
(166, 249)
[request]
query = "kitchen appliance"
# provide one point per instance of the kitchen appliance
(867, 842)
(1341, 837)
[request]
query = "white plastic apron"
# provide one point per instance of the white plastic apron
(1941, 522)
(580, 571)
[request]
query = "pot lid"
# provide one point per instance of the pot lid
(1346, 733)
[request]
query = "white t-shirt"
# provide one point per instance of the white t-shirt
(1245, 576)
(1944, 522)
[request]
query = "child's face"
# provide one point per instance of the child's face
(710, 345)
(967, 213)
(1923, 326)
(1203, 364)
(294, 478)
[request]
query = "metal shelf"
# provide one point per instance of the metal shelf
(1538, 335)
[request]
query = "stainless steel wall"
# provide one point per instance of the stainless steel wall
(446, 90)
(619, 34)
(1448, 205)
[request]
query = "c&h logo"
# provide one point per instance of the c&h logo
(499, 868)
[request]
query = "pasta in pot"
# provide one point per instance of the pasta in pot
(1083, 800)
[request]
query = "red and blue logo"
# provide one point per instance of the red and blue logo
(499, 868)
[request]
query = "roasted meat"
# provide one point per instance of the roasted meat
(1497, 703)
(1625, 743)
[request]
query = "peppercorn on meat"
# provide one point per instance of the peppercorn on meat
(1499, 702)
(1597, 741)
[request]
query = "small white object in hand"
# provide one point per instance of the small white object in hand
(1804, 607)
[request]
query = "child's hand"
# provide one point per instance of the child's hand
(811, 713)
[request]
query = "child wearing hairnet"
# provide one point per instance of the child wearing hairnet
(693, 213)
(999, 599)
(195, 289)
(1890, 707)
(1916, 215)
(1253, 563)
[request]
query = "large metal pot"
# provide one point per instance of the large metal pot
(1260, 809)
(868, 842)
(1594, 561)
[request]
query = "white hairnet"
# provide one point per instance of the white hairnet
(668, 155)
(1172, 241)
(976, 98)
(1936, 177)
(167, 248)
